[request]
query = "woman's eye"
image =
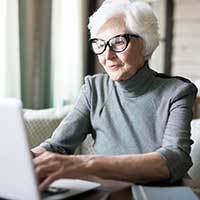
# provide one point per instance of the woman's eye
(100, 45)
(118, 41)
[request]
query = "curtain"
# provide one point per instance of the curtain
(2, 47)
(51, 51)
(9, 49)
(44, 57)
(68, 53)
(35, 52)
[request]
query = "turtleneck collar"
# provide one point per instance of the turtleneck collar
(138, 83)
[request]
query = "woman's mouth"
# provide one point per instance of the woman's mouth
(113, 67)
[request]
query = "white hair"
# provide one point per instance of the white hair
(138, 17)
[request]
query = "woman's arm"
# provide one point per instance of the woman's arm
(176, 141)
(134, 168)
(72, 130)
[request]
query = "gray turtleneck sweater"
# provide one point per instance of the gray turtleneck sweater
(150, 112)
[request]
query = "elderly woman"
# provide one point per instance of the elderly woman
(139, 119)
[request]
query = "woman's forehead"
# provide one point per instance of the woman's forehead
(112, 27)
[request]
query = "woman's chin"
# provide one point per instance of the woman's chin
(115, 77)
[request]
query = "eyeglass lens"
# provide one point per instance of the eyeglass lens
(116, 44)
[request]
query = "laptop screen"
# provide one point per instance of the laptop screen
(18, 180)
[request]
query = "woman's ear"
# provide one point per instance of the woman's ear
(142, 48)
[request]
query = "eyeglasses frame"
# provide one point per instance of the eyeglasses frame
(127, 36)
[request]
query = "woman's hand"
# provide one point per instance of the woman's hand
(51, 166)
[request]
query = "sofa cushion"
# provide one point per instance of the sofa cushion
(195, 152)
(40, 124)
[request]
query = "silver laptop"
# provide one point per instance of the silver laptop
(17, 176)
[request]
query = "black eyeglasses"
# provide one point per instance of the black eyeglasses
(117, 43)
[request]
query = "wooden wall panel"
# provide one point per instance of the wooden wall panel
(186, 40)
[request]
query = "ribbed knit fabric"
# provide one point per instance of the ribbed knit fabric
(150, 112)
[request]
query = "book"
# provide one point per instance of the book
(163, 193)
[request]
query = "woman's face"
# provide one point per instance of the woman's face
(123, 65)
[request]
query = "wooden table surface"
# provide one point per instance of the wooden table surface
(117, 190)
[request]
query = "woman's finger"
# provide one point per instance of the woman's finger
(46, 170)
(49, 179)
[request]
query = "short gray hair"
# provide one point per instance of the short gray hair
(138, 17)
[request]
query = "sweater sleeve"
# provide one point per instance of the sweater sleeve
(74, 127)
(176, 143)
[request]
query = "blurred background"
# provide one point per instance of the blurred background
(44, 51)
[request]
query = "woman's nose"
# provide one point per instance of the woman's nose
(109, 54)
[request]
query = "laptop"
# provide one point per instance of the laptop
(17, 175)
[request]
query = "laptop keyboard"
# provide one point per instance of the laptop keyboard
(54, 191)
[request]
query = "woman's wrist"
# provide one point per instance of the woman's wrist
(37, 151)
(97, 166)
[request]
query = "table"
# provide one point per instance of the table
(118, 190)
